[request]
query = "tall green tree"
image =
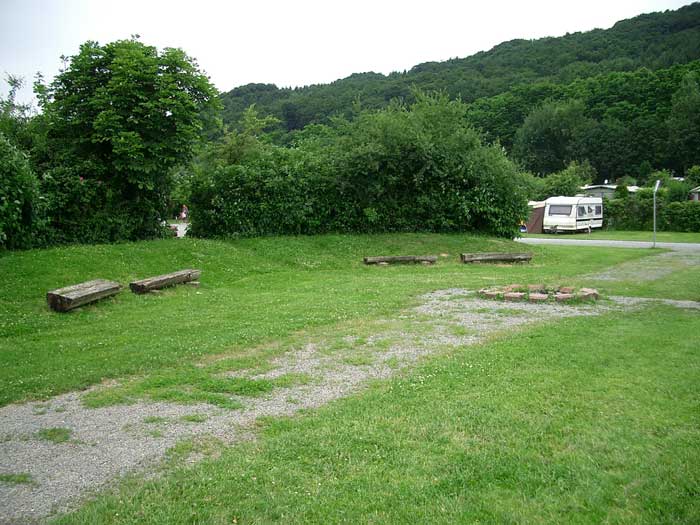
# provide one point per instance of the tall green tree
(684, 122)
(124, 115)
(551, 136)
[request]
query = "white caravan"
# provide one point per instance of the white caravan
(572, 214)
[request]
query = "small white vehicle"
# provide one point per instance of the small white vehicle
(572, 214)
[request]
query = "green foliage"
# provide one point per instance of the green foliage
(692, 176)
(417, 168)
(681, 216)
(684, 121)
(565, 182)
(119, 118)
(84, 209)
(569, 180)
(674, 211)
(14, 116)
(678, 191)
(654, 41)
(532, 185)
(548, 138)
(632, 107)
(19, 198)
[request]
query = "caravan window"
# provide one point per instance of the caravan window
(581, 211)
(598, 210)
(559, 209)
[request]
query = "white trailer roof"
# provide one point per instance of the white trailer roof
(573, 200)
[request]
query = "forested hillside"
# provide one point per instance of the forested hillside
(654, 41)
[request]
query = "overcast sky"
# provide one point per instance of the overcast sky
(293, 42)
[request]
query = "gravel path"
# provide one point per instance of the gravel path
(106, 443)
(649, 268)
(676, 246)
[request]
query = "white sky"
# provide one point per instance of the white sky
(293, 42)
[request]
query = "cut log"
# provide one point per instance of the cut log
(70, 297)
(162, 281)
(392, 259)
(495, 257)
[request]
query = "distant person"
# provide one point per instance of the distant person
(184, 213)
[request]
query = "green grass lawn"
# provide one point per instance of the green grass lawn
(588, 420)
(594, 422)
(253, 291)
(624, 236)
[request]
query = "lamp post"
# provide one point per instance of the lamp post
(656, 188)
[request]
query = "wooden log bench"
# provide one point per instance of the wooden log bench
(393, 259)
(495, 257)
(162, 281)
(70, 297)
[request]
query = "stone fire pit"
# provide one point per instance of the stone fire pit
(538, 293)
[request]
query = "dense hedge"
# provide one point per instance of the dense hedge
(401, 169)
(18, 198)
(636, 212)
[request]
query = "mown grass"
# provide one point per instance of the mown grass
(592, 420)
(253, 292)
(614, 235)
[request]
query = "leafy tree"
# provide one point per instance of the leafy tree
(15, 116)
(654, 41)
(550, 136)
(125, 115)
(567, 182)
(532, 185)
(684, 122)
(692, 176)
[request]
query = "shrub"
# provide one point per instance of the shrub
(682, 216)
(400, 169)
(18, 198)
(637, 213)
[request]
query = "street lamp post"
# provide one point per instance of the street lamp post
(656, 188)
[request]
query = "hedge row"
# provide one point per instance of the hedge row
(401, 169)
(637, 213)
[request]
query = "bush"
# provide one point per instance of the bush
(88, 211)
(637, 213)
(18, 198)
(401, 169)
(280, 191)
(682, 216)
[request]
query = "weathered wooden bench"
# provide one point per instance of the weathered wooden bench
(70, 297)
(495, 257)
(393, 259)
(162, 281)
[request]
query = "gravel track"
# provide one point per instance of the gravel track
(107, 443)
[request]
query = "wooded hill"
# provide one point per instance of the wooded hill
(654, 41)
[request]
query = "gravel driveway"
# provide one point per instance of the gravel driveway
(676, 246)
